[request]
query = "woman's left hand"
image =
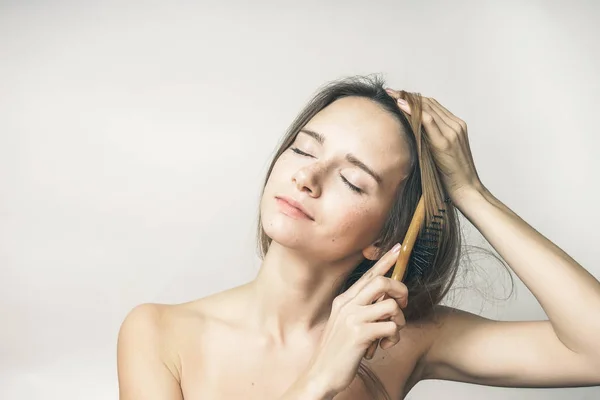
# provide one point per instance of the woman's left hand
(450, 147)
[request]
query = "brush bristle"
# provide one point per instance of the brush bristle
(425, 248)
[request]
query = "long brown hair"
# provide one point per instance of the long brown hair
(427, 289)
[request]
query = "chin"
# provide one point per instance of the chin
(285, 230)
(289, 234)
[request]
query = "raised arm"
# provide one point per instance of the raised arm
(143, 354)
(564, 351)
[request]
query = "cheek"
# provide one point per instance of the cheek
(356, 225)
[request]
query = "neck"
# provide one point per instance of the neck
(292, 295)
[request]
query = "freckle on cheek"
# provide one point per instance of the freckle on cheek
(351, 220)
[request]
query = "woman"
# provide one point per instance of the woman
(339, 195)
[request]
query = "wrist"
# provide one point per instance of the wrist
(470, 194)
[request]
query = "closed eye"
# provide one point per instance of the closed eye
(297, 150)
(351, 186)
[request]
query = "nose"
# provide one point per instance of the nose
(307, 180)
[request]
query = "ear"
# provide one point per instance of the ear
(373, 252)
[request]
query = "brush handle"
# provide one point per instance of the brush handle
(400, 268)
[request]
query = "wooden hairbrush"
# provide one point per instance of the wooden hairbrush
(417, 251)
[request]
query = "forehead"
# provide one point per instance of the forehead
(362, 127)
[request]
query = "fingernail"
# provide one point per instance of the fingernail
(402, 102)
(396, 248)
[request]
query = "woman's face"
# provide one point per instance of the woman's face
(343, 168)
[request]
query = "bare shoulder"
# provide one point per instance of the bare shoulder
(152, 318)
(158, 320)
(168, 328)
(153, 330)
(162, 321)
(144, 322)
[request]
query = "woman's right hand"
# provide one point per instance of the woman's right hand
(355, 323)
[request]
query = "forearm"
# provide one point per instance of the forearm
(569, 295)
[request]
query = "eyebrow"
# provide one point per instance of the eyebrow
(351, 158)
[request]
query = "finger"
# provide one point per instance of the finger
(380, 268)
(388, 342)
(403, 104)
(378, 331)
(443, 110)
(435, 108)
(458, 124)
(387, 309)
(393, 93)
(399, 319)
(431, 127)
(392, 340)
(371, 350)
(381, 298)
(384, 343)
(378, 286)
(444, 128)
(432, 109)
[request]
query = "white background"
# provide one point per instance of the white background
(134, 138)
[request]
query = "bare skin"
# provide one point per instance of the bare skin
(212, 352)
(256, 340)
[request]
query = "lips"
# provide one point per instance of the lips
(295, 205)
